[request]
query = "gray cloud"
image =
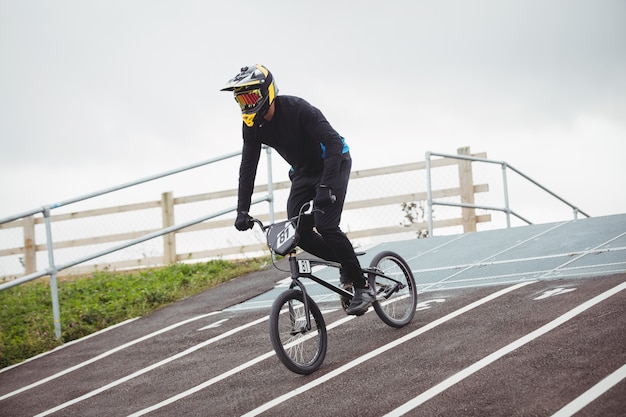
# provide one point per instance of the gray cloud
(133, 86)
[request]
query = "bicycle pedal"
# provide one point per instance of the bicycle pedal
(345, 301)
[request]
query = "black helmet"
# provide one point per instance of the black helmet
(255, 91)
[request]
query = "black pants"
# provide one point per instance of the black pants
(330, 243)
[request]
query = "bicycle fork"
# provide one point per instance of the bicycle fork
(295, 282)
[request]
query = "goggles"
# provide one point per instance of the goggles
(248, 100)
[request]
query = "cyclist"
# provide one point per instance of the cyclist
(320, 169)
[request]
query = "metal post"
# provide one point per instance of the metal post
(56, 312)
(506, 195)
(270, 184)
(429, 196)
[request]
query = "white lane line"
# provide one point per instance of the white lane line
(68, 344)
(435, 249)
(447, 383)
(213, 325)
(151, 367)
(224, 375)
(104, 355)
(592, 393)
(381, 350)
(467, 267)
(582, 254)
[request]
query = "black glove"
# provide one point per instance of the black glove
(324, 197)
(244, 221)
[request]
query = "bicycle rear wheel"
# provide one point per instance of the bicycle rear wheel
(396, 295)
(300, 349)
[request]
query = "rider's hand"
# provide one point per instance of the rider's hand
(324, 197)
(244, 221)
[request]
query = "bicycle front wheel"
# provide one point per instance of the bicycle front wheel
(299, 348)
(396, 295)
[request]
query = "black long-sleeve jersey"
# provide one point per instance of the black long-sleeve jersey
(300, 133)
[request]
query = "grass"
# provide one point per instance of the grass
(92, 303)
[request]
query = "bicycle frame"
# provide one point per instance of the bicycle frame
(302, 268)
(297, 327)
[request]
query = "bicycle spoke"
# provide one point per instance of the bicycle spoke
(395, 289)
(301, 350)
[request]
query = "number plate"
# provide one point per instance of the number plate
(304, 266)
(282, 237)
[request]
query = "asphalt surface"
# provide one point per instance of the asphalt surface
(517, 349)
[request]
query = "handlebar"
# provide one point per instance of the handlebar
(306, 209)
(260, 223)
(282, 237)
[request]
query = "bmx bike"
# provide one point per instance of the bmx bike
(297, 327)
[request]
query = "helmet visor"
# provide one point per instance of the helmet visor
(249, 100)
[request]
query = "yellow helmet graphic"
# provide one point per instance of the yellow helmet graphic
(254, 90)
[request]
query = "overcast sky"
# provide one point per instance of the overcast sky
(97, 93)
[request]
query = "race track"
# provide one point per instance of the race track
(521, 322)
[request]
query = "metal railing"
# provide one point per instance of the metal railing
(53, 269)
(506, 209)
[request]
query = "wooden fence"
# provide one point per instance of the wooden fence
(168, 204)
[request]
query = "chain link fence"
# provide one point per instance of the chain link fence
(382, 204)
